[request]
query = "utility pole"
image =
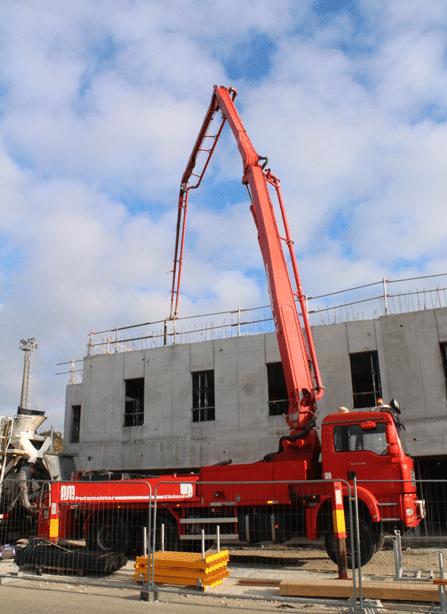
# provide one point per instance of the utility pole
(28, 346)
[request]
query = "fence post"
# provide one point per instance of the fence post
(355, 539)
(90, 343)
(338, 519)
(385, 296)
(397, 551)
(151, 594)
(442, 596)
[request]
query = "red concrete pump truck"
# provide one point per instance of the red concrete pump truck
(292, 494)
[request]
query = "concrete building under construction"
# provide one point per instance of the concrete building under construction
(185, 405)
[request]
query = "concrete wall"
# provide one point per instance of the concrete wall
(410, 365)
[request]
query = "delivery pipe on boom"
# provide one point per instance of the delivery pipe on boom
(299, 360)
(289, 495)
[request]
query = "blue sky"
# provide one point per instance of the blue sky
(100, 105)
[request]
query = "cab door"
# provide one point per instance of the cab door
(362, 447)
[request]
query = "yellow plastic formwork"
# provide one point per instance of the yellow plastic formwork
(184, 568)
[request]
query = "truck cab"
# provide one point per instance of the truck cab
(367, 444)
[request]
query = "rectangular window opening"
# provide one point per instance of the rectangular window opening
(134, 402)
(75, 425)
(277, 389)
(203, 408)
(443, 348)
(365, 375)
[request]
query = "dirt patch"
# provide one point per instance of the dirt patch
(414, 559)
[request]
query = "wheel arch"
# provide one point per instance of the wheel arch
(367, 506)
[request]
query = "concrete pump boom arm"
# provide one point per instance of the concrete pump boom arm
(299, 362)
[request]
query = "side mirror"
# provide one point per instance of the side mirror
(394, 404)
(393, 449)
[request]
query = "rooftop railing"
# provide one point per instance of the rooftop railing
(366, 302)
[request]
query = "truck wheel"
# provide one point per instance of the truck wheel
(107, 533)
(368, 544)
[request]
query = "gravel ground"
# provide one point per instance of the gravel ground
(415, 556)
(261, 562)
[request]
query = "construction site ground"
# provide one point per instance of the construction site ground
(263, 578)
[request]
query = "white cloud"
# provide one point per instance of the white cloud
(100, 104)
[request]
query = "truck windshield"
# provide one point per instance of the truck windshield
(352, 438)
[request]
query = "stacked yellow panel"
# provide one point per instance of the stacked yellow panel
(184, 568)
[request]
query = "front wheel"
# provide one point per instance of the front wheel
(368, 545)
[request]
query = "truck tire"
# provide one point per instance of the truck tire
(368, 544)
(107, 533)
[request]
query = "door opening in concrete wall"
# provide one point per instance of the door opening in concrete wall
(203, 408)
(278, 397)
(443, 348)
(365, 376)
(75, 424)
(134, 403)
(431, 471)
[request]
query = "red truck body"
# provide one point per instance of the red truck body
(264, 501)
(288, 492)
